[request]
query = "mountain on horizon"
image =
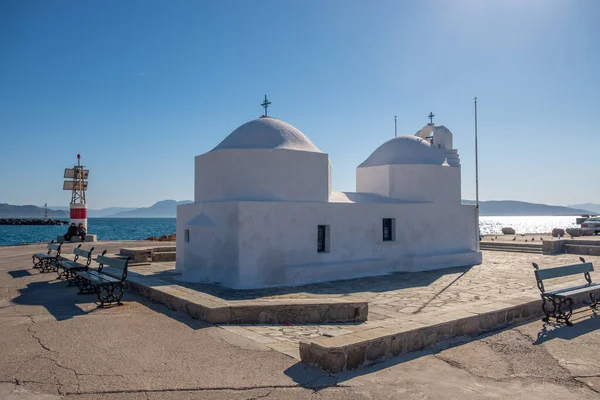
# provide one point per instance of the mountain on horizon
(168, 209)
(100, 213)
(160, 209)
(522, 208)
(588, 206)
(29, 211)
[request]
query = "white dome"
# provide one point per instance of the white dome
(405, 150)
(267, 133)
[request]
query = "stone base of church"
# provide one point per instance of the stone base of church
(326, 272)
(442, 261)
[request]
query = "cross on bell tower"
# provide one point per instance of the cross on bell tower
(430, 116)
(265, 104)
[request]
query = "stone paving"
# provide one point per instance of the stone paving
(393, 299)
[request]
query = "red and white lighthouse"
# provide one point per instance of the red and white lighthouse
(77, 184)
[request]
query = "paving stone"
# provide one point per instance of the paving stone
(402, 301)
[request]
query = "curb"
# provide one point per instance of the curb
(352, 351)
(218, 311)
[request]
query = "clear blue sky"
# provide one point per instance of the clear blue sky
(141, 87)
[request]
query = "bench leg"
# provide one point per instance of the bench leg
(62, 273)
(84, 286)
(594, 300)
(71, 278)
(37, 263)
(48, 265)
(45, 267)
(109, 293)
(558, 308)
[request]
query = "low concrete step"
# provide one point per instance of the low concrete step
(512, 249)
(583, 249)
(164, 256)
(138, 254)
(512, 244)
(163, 249)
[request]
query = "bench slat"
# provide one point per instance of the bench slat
(578, 290)
(54, 246)
(81, 252)
(43, 255)
(112, 262)
(95, 277)
(557, 272)
(66, 264)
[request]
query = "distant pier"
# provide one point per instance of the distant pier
(31, 221)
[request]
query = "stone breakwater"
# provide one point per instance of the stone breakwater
(163, 238)
(31, 221)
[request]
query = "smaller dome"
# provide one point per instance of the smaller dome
(405, 150)
(267, 133)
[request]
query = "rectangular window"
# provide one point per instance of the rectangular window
(389, 229)
(322, 238)
(186, 236)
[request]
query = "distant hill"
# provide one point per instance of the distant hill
(29, 211)
(588, 206)
(511, 207)
(100, 213)
(161, 209)
(168, 209)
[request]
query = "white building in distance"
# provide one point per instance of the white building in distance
(264, 213)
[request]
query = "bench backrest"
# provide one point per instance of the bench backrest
(557, 272)
(79, 252)
(115, 263)
(54, 246)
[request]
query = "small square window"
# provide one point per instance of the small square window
(389, 229)
(322, 238)
(186, 236)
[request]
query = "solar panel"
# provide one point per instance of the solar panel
(70, 185)
(70, 173)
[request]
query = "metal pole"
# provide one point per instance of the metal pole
(395, 127)
(477, 180)
(476, 161)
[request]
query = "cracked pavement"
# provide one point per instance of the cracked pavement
(56, 344)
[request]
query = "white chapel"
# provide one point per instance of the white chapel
(264, 213)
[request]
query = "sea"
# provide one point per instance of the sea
(104, 228)
(142, 228)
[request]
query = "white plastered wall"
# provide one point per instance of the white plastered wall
(278, 241)
(211, 255)
(410, 182)
(262, 174)
(373, 180)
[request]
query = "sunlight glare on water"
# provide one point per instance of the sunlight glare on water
(538, 224)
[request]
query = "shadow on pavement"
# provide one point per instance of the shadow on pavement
(581, 326)
(55, 297)
(316, 379)
(19, 274)
(376, 284)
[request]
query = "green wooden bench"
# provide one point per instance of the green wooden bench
(558, 304)
(46, 262)
(106, 283)
(66, 268)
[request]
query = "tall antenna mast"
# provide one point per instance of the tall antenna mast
(476, 161)
(395, 126)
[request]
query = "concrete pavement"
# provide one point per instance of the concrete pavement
(54, 343)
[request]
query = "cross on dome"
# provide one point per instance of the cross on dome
(430, 116)
(265, 104)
